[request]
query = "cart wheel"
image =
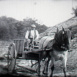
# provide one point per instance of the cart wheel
(12, 54)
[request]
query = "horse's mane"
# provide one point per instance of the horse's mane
(62, 37)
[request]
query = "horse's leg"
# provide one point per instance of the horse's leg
(47, 66)
(64, 67)
(64, 70)
(39, 64)
(64, 63)
(52, 67)
(45, 71)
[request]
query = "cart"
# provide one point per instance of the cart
(16, 51)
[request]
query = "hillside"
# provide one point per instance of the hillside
(70, 23)
(72, 56)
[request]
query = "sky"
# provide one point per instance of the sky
(48, 12)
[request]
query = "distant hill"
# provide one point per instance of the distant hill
(70, 23)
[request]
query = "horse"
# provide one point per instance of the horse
(58, 49)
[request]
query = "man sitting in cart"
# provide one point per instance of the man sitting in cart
(32, 35)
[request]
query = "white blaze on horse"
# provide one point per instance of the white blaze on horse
(58, 49)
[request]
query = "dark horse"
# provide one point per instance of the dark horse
(58, 49)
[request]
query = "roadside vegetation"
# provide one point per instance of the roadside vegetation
(11, 28)
(75, 11)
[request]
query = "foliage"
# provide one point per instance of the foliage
(75, 11)
(11, 28)
(73, 30)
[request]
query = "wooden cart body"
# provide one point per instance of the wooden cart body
(19, 43)
(21, 54)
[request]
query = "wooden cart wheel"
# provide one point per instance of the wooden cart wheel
(12, 54)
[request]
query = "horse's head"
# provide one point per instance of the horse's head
(62, 38)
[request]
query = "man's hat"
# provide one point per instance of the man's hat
(33, 26)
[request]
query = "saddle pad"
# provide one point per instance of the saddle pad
(43, 42)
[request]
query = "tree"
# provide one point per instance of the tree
(4, 34)
(11, 28)
(75, 11)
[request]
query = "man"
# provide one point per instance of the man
(31, 36)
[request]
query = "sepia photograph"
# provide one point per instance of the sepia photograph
(38, 38)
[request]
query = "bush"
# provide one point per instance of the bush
(11, 28)
(75, 11)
